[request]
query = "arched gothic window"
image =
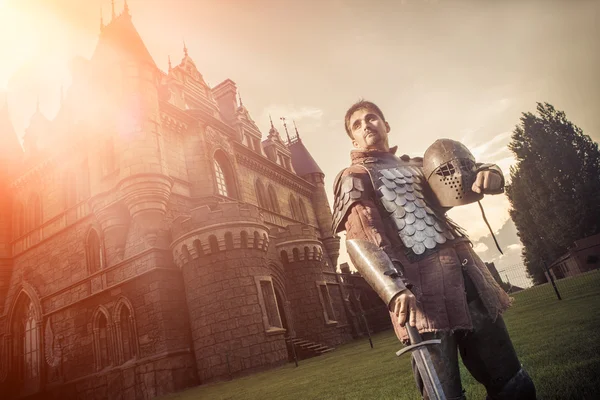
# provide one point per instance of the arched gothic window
(102, 331)
(26, 342)
(260, 195)
(126, 331)
(303, 213)
(273, 199)
(294, 207)
(93, 249)
(224, 176)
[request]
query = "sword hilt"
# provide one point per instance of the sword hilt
(412, 347)
(415, 340)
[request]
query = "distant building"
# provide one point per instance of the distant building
(582, 257)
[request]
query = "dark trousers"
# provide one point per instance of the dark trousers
(488, 354)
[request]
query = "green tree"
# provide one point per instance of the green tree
(555, 186)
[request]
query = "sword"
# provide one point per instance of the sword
(422, 358)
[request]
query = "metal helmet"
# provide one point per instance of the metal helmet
(450, 170)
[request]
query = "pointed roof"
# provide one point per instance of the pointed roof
(273, 132)
(186, 58)
(302, 161)
(121, 36)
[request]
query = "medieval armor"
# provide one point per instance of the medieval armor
(450, 170)
(377, 269)
(401, 192)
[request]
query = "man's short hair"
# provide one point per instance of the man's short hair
(360, 105)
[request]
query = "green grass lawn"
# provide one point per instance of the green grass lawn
(557, 341)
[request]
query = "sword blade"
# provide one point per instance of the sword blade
(431, 381)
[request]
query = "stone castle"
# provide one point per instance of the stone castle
(151, 240)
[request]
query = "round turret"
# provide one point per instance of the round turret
(233, 311)
(312, 288)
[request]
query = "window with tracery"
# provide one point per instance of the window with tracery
(128, 344)
(102, 341)
(224, 176)
(303, 213)
(221, 182)
(260, 195)
(273, 198)
(294, 207)
(26, 342)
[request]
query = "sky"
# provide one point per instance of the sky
(464, 70)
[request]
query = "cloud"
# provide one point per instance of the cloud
(487, 151)
(480, 248)
(513, 247)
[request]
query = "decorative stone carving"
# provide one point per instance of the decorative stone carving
(217, 140)
(52, 349)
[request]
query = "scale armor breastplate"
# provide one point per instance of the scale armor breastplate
(401, 194)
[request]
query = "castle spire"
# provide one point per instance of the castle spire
(242, 103)
(185, 50)
(126, 8)
(296, 128)
(270, 119)
(112, 4)
(170, 67)
(286, 129)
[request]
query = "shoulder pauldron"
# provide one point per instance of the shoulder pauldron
(348, 190)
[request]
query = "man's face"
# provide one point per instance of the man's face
(368, 130)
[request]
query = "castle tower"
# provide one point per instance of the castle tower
(233, 311)
(131, 154)
(306, 167)
(317, 308)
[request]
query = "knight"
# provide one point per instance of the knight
(419, 261)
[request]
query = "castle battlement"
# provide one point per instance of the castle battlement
(229, 227)
(299, 242)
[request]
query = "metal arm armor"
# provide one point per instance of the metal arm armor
(377, 268)
(348, 189)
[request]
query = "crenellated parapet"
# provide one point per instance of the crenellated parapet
(229, 227)
(298, 243)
